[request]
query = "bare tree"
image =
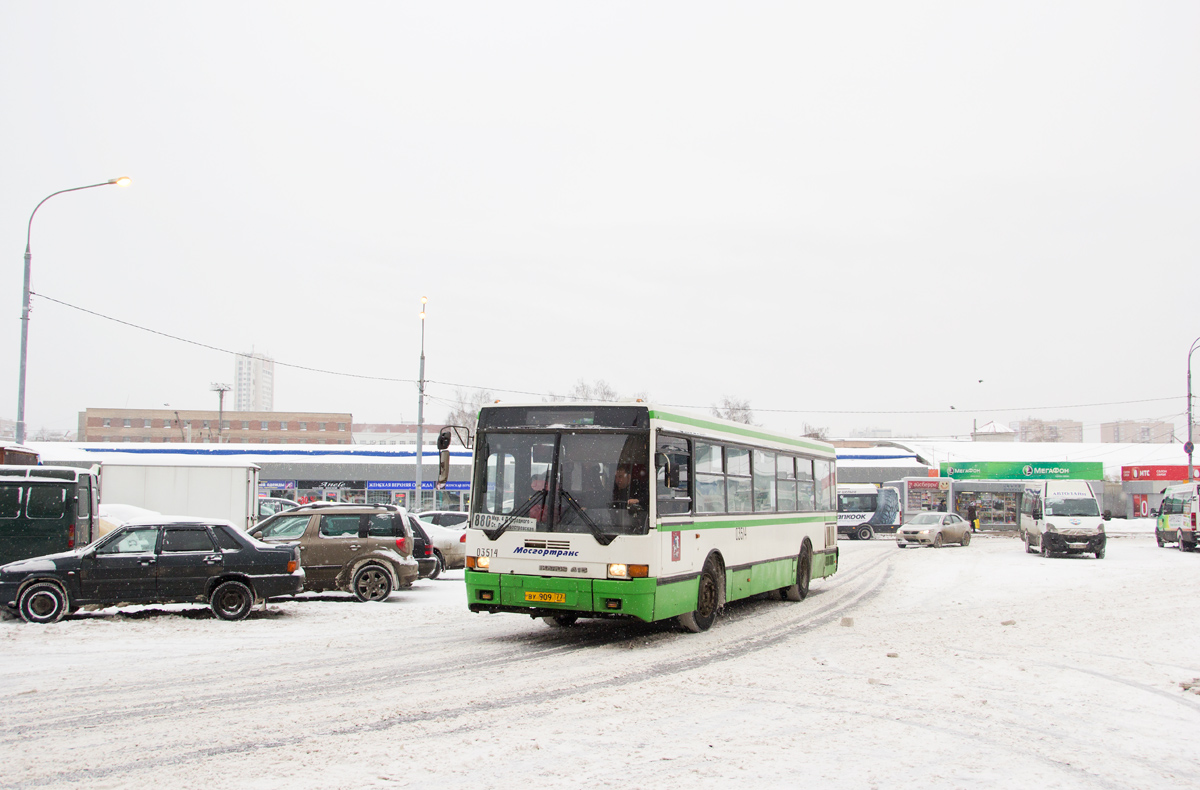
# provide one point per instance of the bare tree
(733, 409)
(596, 390)
(813, 432)
(465, 407)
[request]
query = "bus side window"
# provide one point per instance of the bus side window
(710, 478)
(673, 472)
(785, 475)
(823, 472)
(805, 495)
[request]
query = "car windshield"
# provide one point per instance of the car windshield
(285, 527)
(574, 481)
(925, 519)
(1083, 506)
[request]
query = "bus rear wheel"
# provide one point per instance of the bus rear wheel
(865, 533)
(799, 590)
(560, 620)
(707, 599)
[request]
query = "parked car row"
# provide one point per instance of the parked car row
(366, 550)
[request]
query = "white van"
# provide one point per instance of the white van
(1179, 510)
(1063, 517)
(863, 509)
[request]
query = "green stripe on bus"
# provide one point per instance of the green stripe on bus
(726, 524)
(713, 426)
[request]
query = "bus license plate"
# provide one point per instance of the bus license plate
(545, 597)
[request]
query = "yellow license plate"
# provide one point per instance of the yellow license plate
(541, 597)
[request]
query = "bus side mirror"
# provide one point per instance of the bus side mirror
(443, 440)
(443, 465)
(1037, 514)
(1108, 515)
(670, 471)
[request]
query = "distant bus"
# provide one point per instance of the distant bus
(863, 510)
(630, 510)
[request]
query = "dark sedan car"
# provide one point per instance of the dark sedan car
(167, 560)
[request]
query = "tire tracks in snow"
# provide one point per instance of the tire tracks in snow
(853, 589)
(196, 691)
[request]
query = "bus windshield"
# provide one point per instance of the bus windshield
(571, 481)
(1072, 507)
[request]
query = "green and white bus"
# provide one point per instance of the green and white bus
(630, 510)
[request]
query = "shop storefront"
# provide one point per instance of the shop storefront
(1144, 485)
(455, 496)
(922, 493)
(996, 488)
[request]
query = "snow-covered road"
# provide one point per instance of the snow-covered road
(898, 672)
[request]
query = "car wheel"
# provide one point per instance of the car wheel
(937, 541)
(966, 538)
(231, 600)
(865, 533)
(1100, 553)
(901, 544)
(560, 620)
(1045, 547)
(1028, 547)
(1183, 545)
(371, 583)
(438, 566)
(706, 603)
(799, 590)
(44, 602)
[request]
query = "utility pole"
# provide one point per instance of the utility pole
(1190, 444)
(421, 406)
(220, 389)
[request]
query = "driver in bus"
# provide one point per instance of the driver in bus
(628, 491)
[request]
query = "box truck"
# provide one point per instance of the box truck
(225, 488)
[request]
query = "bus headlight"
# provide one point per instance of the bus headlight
(478, 563)
(619, 570)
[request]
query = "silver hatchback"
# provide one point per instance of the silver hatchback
(934, 529)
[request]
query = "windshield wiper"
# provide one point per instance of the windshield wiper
(536, 498)
(601, 537)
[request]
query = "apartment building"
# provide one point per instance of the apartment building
(238, 427)
(254, 382)
(1137, 432)
(1032, 430)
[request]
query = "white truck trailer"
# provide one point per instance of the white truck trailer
(225, 488)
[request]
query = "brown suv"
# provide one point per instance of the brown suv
(362, 549)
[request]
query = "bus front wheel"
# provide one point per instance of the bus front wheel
(707, 599)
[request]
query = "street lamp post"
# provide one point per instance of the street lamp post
(220, 389)
(123, 181)
(421, 405)
(1190, 443)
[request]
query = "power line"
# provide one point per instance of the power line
(218, 348)
(396, 380)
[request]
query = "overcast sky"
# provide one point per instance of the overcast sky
(818, 207)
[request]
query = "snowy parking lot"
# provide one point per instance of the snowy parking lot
(956, 667)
